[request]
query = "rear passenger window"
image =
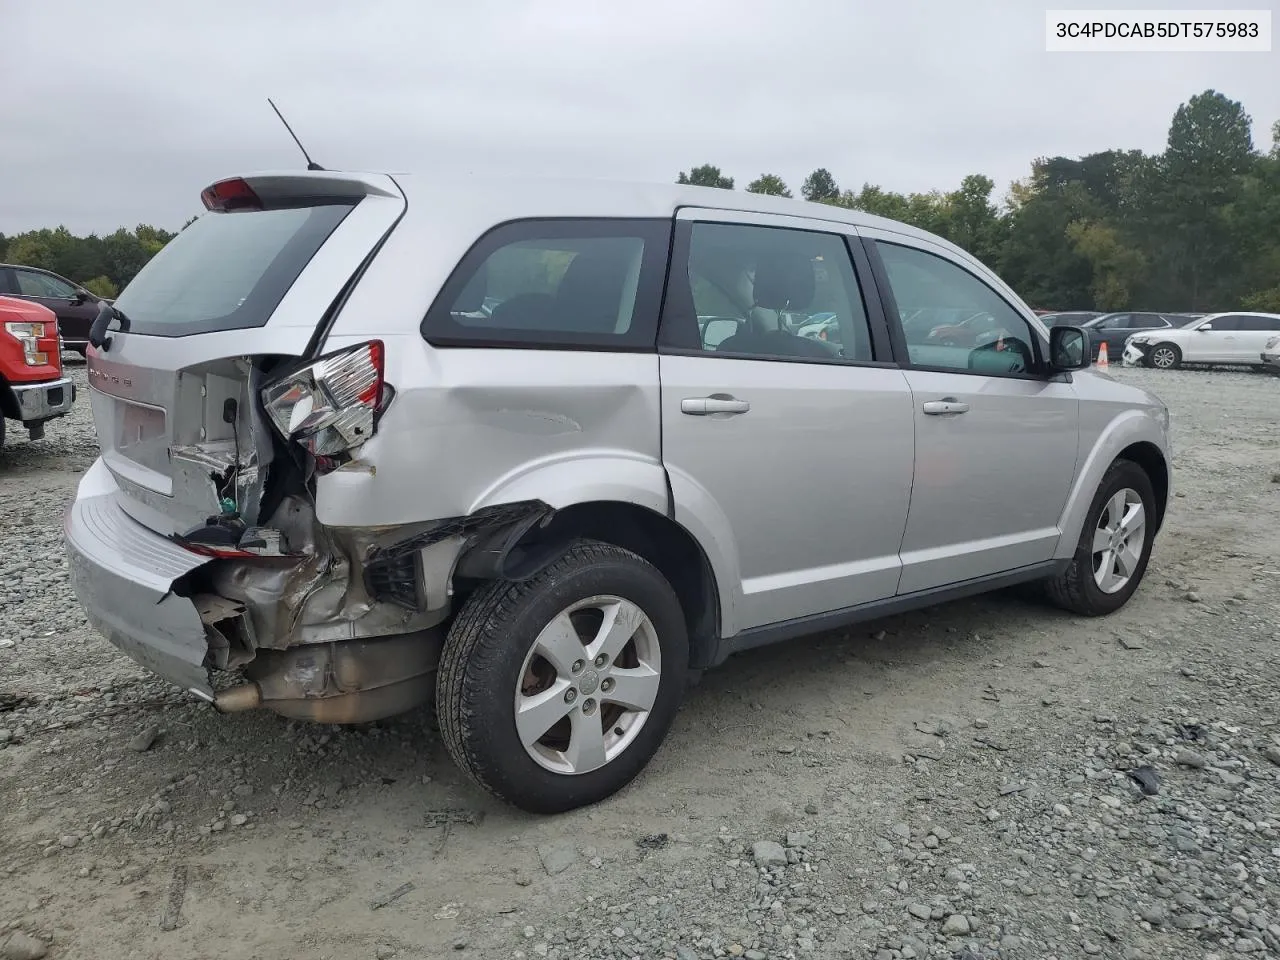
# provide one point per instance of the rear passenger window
(767, 293)
(556, 283)
(1257, 323)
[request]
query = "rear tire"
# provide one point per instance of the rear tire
(1164, 356)
(551, 654)
(1089, 586)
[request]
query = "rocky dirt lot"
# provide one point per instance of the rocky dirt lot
(955, 783)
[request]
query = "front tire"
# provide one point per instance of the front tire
(1114, 547)
(1164, 356)
(554, 692)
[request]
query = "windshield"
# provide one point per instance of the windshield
(227, 271)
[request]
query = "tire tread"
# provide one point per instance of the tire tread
(471, 645)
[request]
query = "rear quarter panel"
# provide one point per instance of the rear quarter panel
(472, 427)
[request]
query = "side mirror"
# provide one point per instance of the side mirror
(1204, 328)
(1069, 349)
(79, 297)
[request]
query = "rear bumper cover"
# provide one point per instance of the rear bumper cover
(122, 573)
(43, 401)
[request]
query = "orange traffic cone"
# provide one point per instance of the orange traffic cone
(1102, 356)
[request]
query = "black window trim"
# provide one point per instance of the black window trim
(439, 329)
(877, 328)
(899, 336)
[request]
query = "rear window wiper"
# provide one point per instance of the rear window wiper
(98, 332)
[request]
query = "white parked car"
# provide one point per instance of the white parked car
(1218, 338)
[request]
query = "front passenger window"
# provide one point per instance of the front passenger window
(970, 328)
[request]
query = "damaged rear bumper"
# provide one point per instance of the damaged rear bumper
(123, 575)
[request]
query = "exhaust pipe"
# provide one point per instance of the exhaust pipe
(246, 696)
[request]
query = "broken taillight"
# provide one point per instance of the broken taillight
(329, 407)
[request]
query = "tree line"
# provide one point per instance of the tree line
(102, 265)
(1193, 228)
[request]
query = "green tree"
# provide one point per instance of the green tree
(706, 175)
(102, 287)
(820, 187)
(769, 183)
(1117, 269)
(1188, 198)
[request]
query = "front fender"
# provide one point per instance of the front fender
(1131, 426)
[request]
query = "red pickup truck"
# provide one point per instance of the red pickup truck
(33, 390)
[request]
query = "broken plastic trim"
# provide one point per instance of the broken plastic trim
(496, 530)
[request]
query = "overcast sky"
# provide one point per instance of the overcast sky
(119, 113)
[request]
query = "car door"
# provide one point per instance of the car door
(1215, 339)
(791, 455)
(996, 438)
(75, 313)
(1255, 330)
(1113, 331)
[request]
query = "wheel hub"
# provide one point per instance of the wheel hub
(590, 680)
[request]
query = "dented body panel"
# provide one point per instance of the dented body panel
(471, 429)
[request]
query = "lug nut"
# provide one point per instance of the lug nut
(601, 660)
(588, 706)
(577, 666)
(570, 695)
(606, 684)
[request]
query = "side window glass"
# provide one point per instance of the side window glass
(38, 285)
(776, 294)
(951, 319)
(1146, 321)
(556, 283)
(1222, 324)
(1259, 323)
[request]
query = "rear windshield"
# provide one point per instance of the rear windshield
(227, 271)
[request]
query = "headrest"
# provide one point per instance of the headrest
(590, 292)
(784, 280)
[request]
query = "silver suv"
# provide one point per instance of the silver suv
(547, 451)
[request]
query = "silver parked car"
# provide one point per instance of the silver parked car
(547, 451)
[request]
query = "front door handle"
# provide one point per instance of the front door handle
(705, 406)
(947, 406)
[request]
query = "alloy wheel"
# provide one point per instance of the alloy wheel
(587, 685)
(1119, 540)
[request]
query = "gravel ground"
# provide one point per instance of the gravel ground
(954, 783)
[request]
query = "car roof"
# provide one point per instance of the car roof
(497, 199)
(1240, 313)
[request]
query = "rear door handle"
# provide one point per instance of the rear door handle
(945, 407)
(705, 406)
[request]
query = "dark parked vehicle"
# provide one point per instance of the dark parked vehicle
(1114, 329)
(74, 306)
(1070, 318)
